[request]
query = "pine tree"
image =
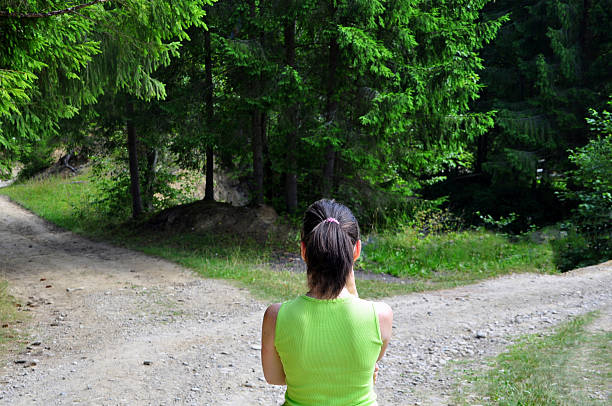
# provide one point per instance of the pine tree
(545, 69)
(113, 48)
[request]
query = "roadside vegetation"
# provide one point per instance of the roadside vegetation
(423, 262)
(461, 255)
(570, 366)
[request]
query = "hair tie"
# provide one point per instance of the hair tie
(331, 220)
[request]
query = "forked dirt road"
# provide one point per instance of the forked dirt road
(114, 327)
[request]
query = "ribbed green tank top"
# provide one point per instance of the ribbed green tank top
(328, 349)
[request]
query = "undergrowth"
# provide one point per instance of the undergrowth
(473, 254)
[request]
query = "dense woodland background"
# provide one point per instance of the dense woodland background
(471, 111)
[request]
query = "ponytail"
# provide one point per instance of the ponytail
(330, 232)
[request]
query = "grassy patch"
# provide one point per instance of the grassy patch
(62, 201)
(434, 262)
(467, 255)
(571, 366)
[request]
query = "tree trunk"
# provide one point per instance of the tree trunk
(270, 193)
(585, 51)
(133, 158)
(481, 153)
(65, 161)
(257, 120)
(330, 113)
(291, 111)
(209, 191)
(257, 147)
(152, 156)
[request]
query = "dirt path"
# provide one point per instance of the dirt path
(101, 312)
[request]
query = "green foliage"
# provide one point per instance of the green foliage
(469, 255)
(499, 224)
(51, 67)
(110, 194)
(590, 184)
(35, 158)
(543, 71)
(572, 251)
(40, 62)
(364, 101)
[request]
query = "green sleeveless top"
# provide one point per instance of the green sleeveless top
(328, 349)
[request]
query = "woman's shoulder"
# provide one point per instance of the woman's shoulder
(272, 311)
(383, 310)
(380, 307)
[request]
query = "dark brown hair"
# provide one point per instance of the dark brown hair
(329, 245)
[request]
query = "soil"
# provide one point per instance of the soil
(259, 223)
(110, 326)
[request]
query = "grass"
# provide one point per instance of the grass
(468, 255)
(433, 262)
(571, 366)
(60, 200)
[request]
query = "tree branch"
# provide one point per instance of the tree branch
(72, 9)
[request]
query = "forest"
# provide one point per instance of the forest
(157, 156)
(468, 112)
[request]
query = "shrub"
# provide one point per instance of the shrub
(111, 196)
(35, 158)
(589, 238)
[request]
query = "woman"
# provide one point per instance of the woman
(324, 345)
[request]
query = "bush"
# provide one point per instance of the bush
(35, 158)
(589, 239)
(111, 193)
(571, 251)
(110, 176)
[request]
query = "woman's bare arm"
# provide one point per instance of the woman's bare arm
(385, 320)
(270, 361)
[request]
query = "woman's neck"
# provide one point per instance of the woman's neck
(315, 294)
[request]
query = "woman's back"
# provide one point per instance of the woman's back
(328, 349)
(324, 345)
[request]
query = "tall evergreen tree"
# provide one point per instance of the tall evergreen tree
(547, 67)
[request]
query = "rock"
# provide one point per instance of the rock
(20, 361)
(481, 334)
(256, 347)
(195, 389)
(147, 362)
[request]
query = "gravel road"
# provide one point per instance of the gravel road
(111, 326)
